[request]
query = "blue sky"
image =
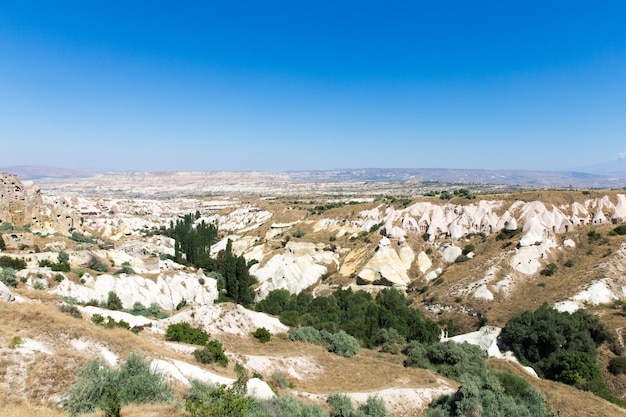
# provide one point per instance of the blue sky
(275, 86)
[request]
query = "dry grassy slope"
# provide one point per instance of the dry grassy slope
(591, 261)
(31, 380)
(564, 399)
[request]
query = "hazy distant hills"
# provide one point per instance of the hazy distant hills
(467, 176)
(33, 172)
(524, 178)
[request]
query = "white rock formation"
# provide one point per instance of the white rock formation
(184, 372)
(167, 291)
(423, 262)
(384, 268)
(449, 252)
(6, 294)
(224, 317)
(598, 292)
(299, 266)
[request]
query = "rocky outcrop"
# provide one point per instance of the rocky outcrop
(299, 266)
(168, 290)
(24, 205)
(5, 294)
(384, 268)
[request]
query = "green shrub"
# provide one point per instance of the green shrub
(15, 342)
(213, 352)
(59, 277)
(343, 344)
(290, 318)
(283, 406)
(484, 396)
(63, 257)
(7, 277)
(389, 340)
(262, 334)
(416, 356)
(340, 405)
(374, 406)
(124, 270)
(281, 380)
(621, 229)
(72, 310)
(204, 400)
(569, 263)
(183, 332)
(97, 265)
(99, 387)
(113, 302)
(507, 234)
(97, 319)
(449, 358)
(14, 263)
(549, 270)
(617, 365)
(306, 334)
(514, 385)
(461, 258)
(80, 238)
(298, 233)
(468, 248)
(38, 285)
(594, 236)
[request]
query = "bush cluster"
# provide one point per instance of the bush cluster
(341, 406)
(153, 311)
(482, 392)
(262, 334)
(559, 346)
(15, 263)
(7, 277)
(356, 313)
(212, 352)
(183, 332)
(339, 343)
(100, 388)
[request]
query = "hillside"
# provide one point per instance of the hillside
(469, 259)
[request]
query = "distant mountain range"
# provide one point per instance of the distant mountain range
(34, 172)
(468, 176)
(585, 179)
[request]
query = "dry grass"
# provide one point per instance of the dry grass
(564, 399)
(21, 409)
(367, 371)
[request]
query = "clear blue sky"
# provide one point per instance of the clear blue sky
(266, 85)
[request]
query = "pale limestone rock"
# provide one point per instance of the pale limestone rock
(569, 243)
(167, 291)
(449, 253)
(527, 258)
(300, 265)
(385, 268)
(619, 215)
(407, 256)
(6, 294)
(423, 262)
(484, 293)
(433, 274)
